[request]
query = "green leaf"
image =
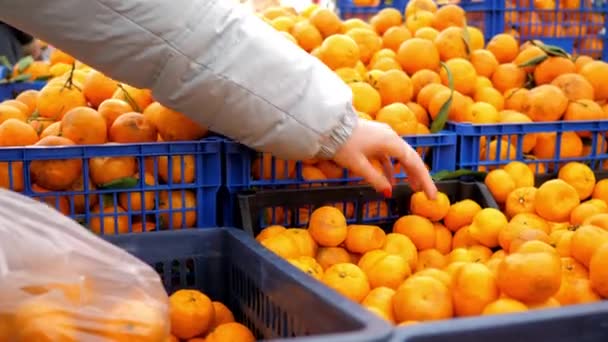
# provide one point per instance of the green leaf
(21, 78)
(447, 175)
(121, 183)
(551, 50)
(5, 62)
(533, 61)
(129, 99)
(24, 63)
(43, 78)
(107, 200)
(443, 115)
(466, 37)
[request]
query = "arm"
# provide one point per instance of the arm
(208, 59)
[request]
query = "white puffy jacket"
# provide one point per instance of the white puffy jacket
(209, 59)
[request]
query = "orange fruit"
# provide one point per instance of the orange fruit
(364, 238)
(173, 126)
(571, 145)
(520, 173)
(443, 238)
(430, 258)
(527, 56)
(595, 72)
(410, 58)
(462, 238)
(532, 275)
(182, 204)
(403, 246)
(132, 128)
(327, 226)
(422, 298)
(579, 176)
(14, 132)
(461, 214)
(133, 201)
(307, 35)
(55, 174)
(395, 86)
(329, 256)
(232, 331)
(136, 318)
(97, 88)
(222, 315)
(508, 76)
(107, 169)
(40, 318)
(486, 226)
(504, 47)
(551, 68)
(434, 210)
(381, 298)
(394, 37)
(576, 290)
(399, 117)
(463, 75)
(473, 288)
(448, 16)
(138, 99)
(366, 98)
(504, 306)
(368, 41)
(491, 96)
(599, 220)
(347, 279)
(384, 269)
(339, 51)
(191, 313)
(500, 184)
(308, 265)
(450, 44)
(555, 200)
(574, 86)
(84, 126)
(326, 21)
(420, 20)
(598, 272)
(111, 109)
(418, 229)
(54, 100)
(585, 241)
(385, 19)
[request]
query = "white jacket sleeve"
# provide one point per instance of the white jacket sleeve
(209, 59)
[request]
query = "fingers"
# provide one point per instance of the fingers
(360, 165)
(418, 175)
(387, 167)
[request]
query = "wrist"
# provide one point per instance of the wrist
(332, 142)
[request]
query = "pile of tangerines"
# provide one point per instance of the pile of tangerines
(81, 106)
(398, 67)
(545, 247)
(75, 316)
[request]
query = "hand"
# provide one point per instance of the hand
(376, 140)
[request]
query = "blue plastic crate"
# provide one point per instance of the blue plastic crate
(6, 91)
(584, 323)
(483, 147)
(578, 27)
(243, 171)
(20, 87)
(264, 292)
(183, 180)
(347, 9)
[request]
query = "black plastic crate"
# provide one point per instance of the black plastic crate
(264, 292)
(259, 208)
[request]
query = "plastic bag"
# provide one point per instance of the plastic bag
(59, 282)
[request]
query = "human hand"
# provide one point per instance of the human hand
(375, 140)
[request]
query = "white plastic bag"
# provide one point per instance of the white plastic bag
(59, 282)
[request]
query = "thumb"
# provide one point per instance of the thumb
(361, 166)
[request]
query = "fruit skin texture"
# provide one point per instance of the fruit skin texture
(555, 199)
(422, 298)
(191, 313)
(530, 276)
(349, 280)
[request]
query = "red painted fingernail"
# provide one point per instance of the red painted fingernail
(388, 193)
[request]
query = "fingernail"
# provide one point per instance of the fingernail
(388, 193)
